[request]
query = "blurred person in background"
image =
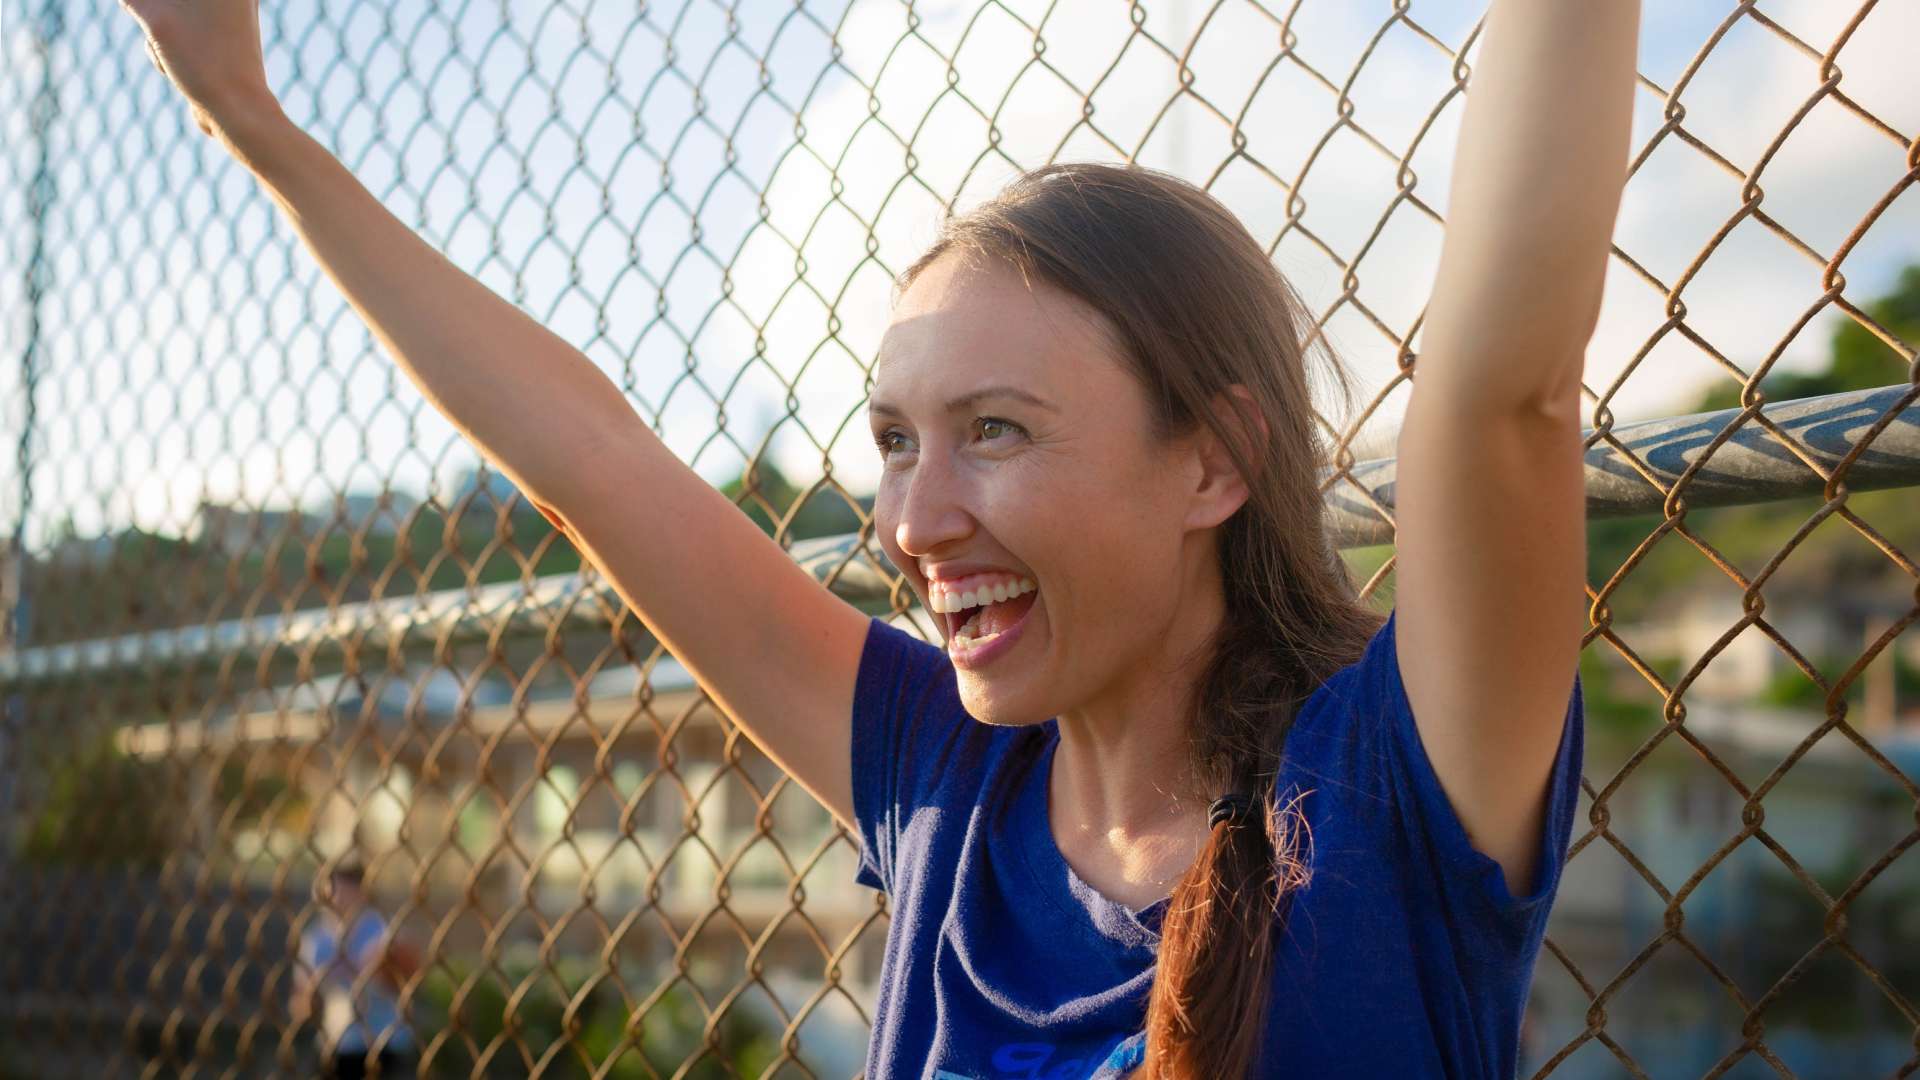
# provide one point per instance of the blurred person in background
(354, 1014)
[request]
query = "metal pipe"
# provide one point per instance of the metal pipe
(1749, 467)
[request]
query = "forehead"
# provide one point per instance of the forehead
(964, 319)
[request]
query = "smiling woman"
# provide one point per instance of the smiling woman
(1192, 635)
(1172, 800)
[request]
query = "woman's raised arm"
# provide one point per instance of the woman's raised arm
(1490, 509)
(1537, 178)
(776, 649)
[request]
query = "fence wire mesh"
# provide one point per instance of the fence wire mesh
(268, 613)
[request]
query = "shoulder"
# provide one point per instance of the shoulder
(1369, 684)
(1359, 760)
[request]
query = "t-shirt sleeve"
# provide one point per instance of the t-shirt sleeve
(906, 722)
(1382, 766)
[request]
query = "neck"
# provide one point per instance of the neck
(1122, 788)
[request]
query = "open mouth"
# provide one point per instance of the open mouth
(985, 621)
(978, 615)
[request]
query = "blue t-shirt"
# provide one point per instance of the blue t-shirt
(1405, 955)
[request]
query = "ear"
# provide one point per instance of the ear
(1220, 490)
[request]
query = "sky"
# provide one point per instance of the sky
(569, 156)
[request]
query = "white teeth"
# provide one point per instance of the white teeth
(970, 632)
(947, 602)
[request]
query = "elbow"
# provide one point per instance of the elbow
(1528, 362)
(1569, 410)
(1558, 402)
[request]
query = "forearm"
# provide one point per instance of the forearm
(1536, 188)
(529, 400)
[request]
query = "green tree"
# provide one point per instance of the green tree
(1751, 535)
(1857, 360)
(764, 487)
(102, 808)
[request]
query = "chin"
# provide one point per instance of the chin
(995, 709)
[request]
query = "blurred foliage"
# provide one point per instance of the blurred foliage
(575, 998)
(1782, 927)
(153, 581)
(1615, 707)
(1832, 560)
(102, 808)
(1834, 555)
(1789, 688)
(264, 798)
(826, 512)
(138, 580)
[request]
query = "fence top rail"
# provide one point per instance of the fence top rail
(1629, 470)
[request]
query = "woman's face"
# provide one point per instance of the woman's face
(1016, 445)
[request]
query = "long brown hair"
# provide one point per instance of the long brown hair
(1197, 307)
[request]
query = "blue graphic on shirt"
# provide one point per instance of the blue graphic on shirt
(1035, 1061)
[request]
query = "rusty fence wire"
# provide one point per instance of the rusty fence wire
(269, 615)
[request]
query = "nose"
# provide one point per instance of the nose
(932, 510)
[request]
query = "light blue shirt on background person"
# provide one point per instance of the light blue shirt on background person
(351, 1021)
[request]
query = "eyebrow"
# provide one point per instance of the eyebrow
(967, 401)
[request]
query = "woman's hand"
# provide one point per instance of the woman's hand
(210, 50)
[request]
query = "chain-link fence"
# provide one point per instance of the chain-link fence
(268, 614)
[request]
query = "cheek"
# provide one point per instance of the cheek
(1127, 522)
(1076, 534)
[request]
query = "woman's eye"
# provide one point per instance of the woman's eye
(987, 423)
(991, 428)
